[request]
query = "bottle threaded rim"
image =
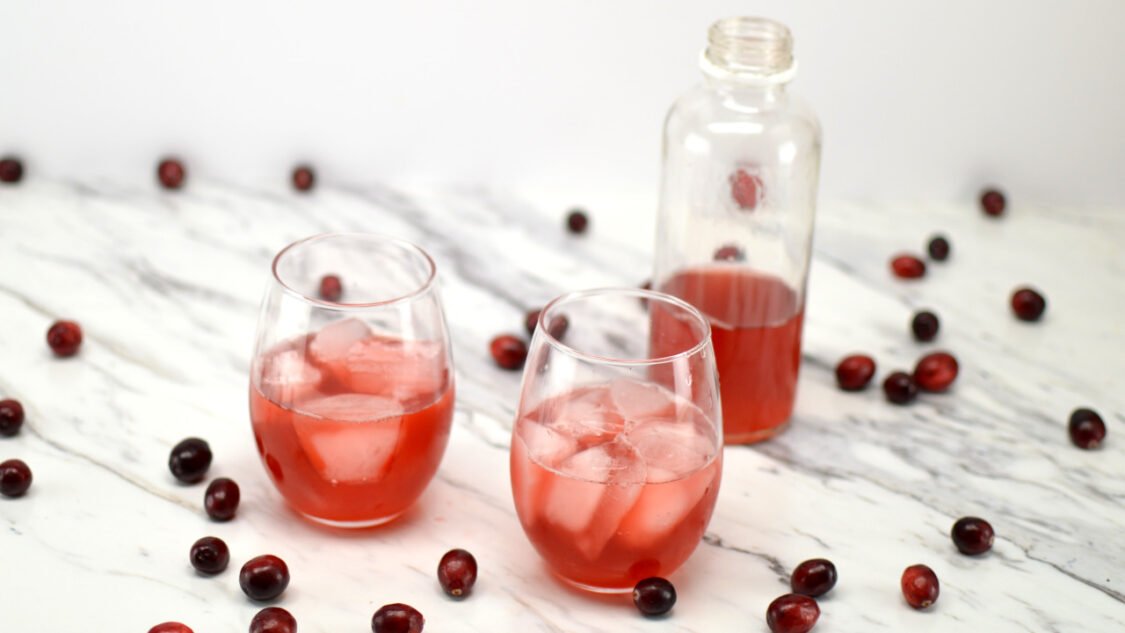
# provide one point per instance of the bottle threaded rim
(750, 45)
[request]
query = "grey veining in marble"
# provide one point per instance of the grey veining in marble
(166, 287)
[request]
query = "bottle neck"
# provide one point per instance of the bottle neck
(749, 53)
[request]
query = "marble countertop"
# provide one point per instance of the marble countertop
(166, 287)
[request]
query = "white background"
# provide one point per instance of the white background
(560, 101)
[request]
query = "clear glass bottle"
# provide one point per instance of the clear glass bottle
(738, 195)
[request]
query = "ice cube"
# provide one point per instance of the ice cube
(329, 347)
(594, 491)
(352, 437)
(638, 401)
(587, 415)
(544, 444)
(286, 378)
(404, 369)
(674, 446)
(666, 507)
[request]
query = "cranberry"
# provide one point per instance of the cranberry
(557, 328)
(992, 202)
(729, 253)
(209, 555)
(397, 618)
(331, 288)
(221, 499)
(15, 478)
(508, 351)
(935, 372)
(900, 388)
(919, 586)
(170, 627)
(908, 267)
(64, 338)
(746, 189)
(938, 248)
(11, 170)
(1087, 430)
(654, 596)
(457, 572)
(303, 178)
(972, 535)
(171, 173)
(264, 577)
(925, 325)
(855, 371)
(190, 460)
(577, 222)
(1028, 304)
(11, 417)
(813, 577)
(273, 620)
(792, 613)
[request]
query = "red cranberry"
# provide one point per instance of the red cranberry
(508, 351)
(919, 586)
(654, 596)
(190, 460)
(170, 627)
(273, 620)
(11, 417)
(11, 170)
(577, 222)
(729, 253)
(303, 178)
(900, 388)
(1087, 430)
(972, 535)
(221, 499)
(171, 173)
(557, 327)
(992, 202)
(925, 326)
(264, 577)
(746, 189)
(792, 613)
(209, 555)
(938, 248)
(855, 371)
(935, 372)
(397, 618)
(331, 288)
(457, 572)
(64, 338)
(1028, 304)
(813, 577)
(15, 478)
(908, 267)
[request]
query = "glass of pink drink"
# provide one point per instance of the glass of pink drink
(616, 451)
(351, 390)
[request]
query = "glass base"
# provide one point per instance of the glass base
(755, 436)
(352, 525)
(593, 588)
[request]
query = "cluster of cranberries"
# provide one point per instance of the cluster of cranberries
(934, 372)
(510, 351)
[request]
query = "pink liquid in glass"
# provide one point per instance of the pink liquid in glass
(615, 483)
(351, 425)
(756, 324)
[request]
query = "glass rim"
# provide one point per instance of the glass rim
(639, 293)
(408, 246)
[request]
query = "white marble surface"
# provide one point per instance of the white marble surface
(166, 287)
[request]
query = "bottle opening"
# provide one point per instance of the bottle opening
(750, 46)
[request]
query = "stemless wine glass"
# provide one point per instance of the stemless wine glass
(351, 387)
(617, 451)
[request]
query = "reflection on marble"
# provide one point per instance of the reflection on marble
(166, 287)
